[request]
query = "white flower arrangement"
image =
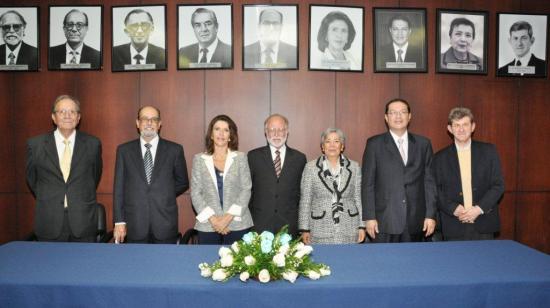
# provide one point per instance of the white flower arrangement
(265, 257)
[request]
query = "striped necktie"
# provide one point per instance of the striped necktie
(277, 163)
(148, 163)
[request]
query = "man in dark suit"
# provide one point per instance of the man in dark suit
(14, 51)
(398, 189)
(400, 50)
(276, 171)
(521, 39)
(209, 48)
(469, 182)
(150, 173)
(74, 51)
(138, 26)
(269, 51)
(63, 171)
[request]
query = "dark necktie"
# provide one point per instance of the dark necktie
(138, 58)
(518, 63)
(148, 163)
(399, 55)
(12, 58)
(277, 163)
(204, 51)
(73, 59)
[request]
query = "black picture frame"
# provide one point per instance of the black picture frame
(512, 46)
(156, 59)
(189, 48)
(447, 47)
(88, 38)
(285, 34)
(390, 32)
(27, 42)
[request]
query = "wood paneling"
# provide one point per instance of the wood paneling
(7, 151)
(8, 215)
(533, 220)
(507, 211)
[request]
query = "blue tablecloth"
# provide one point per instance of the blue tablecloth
(460, 274)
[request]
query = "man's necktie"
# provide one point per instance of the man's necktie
(12, 58)
(518, 63)
(402, 150)
(148, 163)
(399, 55)
(66, 164)
(73, 59)
(204, 51)
(277, 163)
(268, 58)
(138, 58)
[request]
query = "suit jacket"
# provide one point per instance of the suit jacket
(397, 195)
(487, 187)
(190, 54)
(287, 56)
(27, 55)
(149, 208)
(58, 55)
(236, 190)
(539, 64)
(274, 201)
(316, 203)
(46, 181)
(121, 56)
(414, 54)
(449, 57)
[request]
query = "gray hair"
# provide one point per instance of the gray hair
(331, 130)
(458, 113)
(276, 115)
(66, 96)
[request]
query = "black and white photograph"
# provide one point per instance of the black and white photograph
(205, 36)
(400, 43)
(270, 37)
(20, 38)
(336, 38)
(139, 38)
(521, 45)
(75, 41)
(462, 41)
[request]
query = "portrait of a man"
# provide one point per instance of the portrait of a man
(274, 44)
(139, 27)
(18, 51)
(208, 49)
(75, 51)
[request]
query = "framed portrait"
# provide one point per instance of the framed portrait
(400, 43)
(336, 38)
(270, 37)
(19, 42)
(521, 45)
(205, 36)
(139, 38)
(461, 41)
(75, 41)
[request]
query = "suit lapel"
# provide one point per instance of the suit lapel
(135, 154)
(453, 161)
(474, 164)
(392, 147)
(412, 151)
(51, 151)
(160, 157)
(209, 162)
(269, 162)
(78, 152)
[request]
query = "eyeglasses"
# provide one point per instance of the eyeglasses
(276, 131)
(68, 112)
(145, 26)
(147, 120)
(395, 113)
(78, 25)
(15, 27)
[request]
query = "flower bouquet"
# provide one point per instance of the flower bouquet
(266, 257)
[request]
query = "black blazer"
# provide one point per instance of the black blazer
(121, 56)
(46, 181)
(274, 202)
(27, 55)
(539, 64)
(149, 208)
(58, 55)
(487, 187)
(396, 195)
(287, 56)
(190, 54)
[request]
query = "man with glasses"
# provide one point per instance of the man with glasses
(276, 171)
(150, 172)
(63, 170)
(401, 50)
(139, 53)
(74, 53)
(397, 185)
(15, 51)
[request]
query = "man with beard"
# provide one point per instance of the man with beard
(14, 51)
(150, 172)
(276, 172)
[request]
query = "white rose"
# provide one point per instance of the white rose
(235, 247)
(224, 251)
(279, 260)
(325, 271)
(284, 249)
(244, 276)
(299, 246)
(203, 265)
(219, 275)
(263, 276)
(249, 260)
(300, 253)
(313, 275)
(206, 272)
(308, 249)
(290, 276)
(226, 260)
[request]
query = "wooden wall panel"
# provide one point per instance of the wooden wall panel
(8, 215)
(507, 211)
(533, 220)
(25, 214)
(7, 151)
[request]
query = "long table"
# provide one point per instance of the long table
(458, 274)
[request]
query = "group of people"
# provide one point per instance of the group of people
(398, 194)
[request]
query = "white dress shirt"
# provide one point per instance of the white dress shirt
(134, 52)
(15, 53)
(405, 138)
(69, 56)
(211, 48)
(282, 153)
(404, 48)
(154, 145)
(274, 52)
(60, 145)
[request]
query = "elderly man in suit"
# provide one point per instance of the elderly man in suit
(469, 182)
(74, 51)
(269, 51)
(138, 26)
(63, 171)
(400, 50)
(276, 171)
(15, 51)
(398, 188)
(150, 172)
(209, 48)
(521, 39)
